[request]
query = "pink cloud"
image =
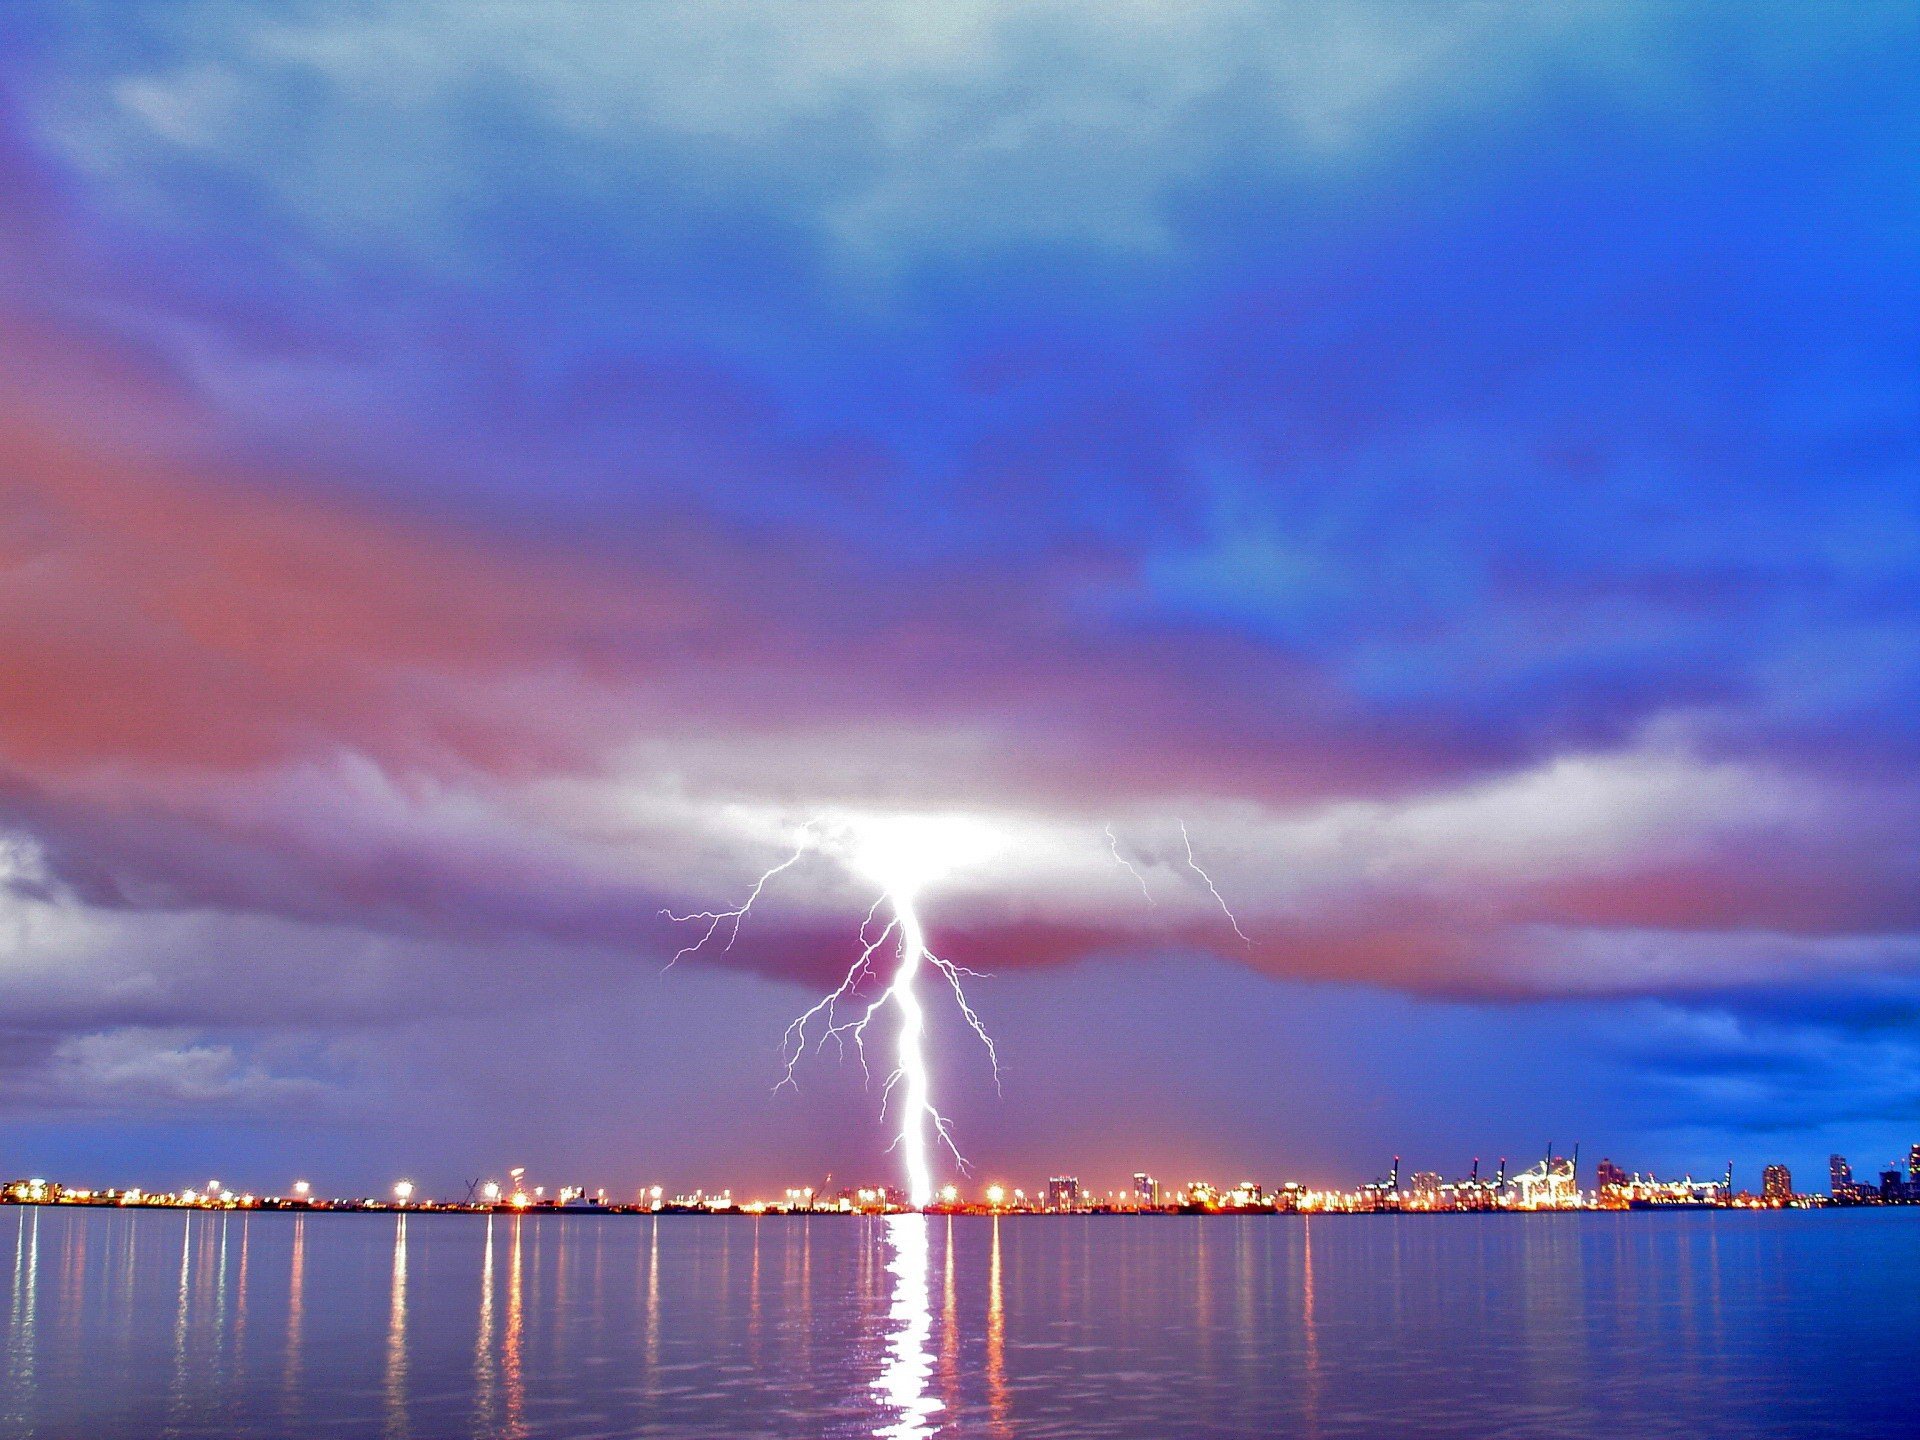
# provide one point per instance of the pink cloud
(233, 693)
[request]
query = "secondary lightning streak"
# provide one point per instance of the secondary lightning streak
(1194, 865)
(1125, 864)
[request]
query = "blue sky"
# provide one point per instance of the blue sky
(475, 475)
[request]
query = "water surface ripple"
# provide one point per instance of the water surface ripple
(235, 1325)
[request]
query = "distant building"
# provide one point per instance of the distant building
(1913, 1168)
(1063, 1192)
(1892, 1188)
(1609, 1176)
(1146, 1190)
(1839, 1177)
(1776, 1184)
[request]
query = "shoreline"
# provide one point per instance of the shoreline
(936, 1212)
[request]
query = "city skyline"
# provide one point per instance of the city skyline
(1367, 564)
(1480, 1186)
(1551, 1183)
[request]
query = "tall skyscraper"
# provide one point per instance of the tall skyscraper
(1776, 1184)
(1146, 1190)
(1063, 1192)
(1913, 1168)
(1839, 1177)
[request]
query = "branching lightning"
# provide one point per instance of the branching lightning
(1194, 865)
(793, 1044)
(918, 1121)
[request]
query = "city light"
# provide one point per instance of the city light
(1550, 1183)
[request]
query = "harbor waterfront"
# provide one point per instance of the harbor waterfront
(249, 1324)
(1552, 1183)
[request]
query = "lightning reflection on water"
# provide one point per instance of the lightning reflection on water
(903, 1384)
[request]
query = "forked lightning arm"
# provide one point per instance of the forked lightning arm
(732, 918)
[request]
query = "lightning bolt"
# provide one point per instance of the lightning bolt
(919, 1123)
(910, 1071)
(1194, 865)
(1113, 847)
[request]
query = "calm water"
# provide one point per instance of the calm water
(159, 1324)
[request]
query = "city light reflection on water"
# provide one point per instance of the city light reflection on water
(226, 1327)
(396, 1375)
